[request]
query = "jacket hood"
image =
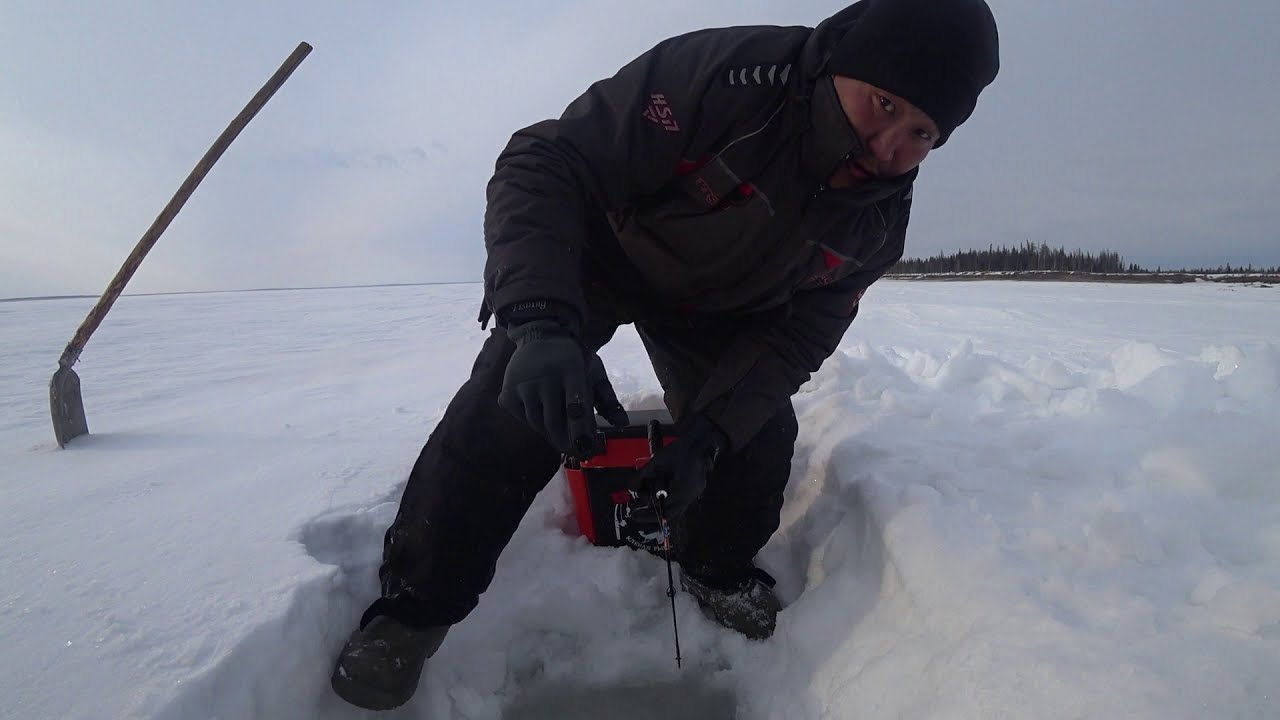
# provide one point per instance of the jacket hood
(827, 138)
(817, 49)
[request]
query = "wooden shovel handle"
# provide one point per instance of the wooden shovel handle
(202, 168)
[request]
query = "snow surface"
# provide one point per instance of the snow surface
(1008, 500)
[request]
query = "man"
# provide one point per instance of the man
(732, 192)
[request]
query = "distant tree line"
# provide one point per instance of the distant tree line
(1032, 257)
(1229, 269)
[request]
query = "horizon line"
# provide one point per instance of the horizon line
(243, 290)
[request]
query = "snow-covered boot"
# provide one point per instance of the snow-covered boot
(742, 600)
(381, 663)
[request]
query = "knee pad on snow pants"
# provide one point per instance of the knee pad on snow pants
(742, 505)
(472, 483)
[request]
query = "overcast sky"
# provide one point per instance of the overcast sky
(1148, 127)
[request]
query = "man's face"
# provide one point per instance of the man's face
(896, 134)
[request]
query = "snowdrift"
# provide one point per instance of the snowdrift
(1008, 500)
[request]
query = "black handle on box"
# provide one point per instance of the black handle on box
(655, 437)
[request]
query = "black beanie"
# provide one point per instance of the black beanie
(937, 54)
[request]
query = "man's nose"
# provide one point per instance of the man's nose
(883, 146)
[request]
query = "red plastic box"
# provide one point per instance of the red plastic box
(602, 500)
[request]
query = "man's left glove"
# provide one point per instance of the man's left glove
(682, 467)
(552, 383)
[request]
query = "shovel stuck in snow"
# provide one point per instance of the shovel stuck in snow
(65, 403)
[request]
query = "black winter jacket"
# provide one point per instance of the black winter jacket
(708, 157)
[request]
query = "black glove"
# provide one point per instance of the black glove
(552, 382)
(681, 468)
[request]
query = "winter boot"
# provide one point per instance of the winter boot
(742, 601)
(381, 663)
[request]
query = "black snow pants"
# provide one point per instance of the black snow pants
(481, 469)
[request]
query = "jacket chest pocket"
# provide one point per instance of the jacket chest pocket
(708, 216)
(713, 186)
(844, 249)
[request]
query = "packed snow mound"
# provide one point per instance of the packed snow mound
(1006, 500)
(1113, 527)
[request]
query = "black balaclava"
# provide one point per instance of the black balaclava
(937, 54)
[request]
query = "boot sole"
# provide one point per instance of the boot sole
(366, 696)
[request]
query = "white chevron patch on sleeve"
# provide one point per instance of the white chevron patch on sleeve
(759, 75)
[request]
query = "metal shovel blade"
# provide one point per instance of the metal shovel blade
(66, 406)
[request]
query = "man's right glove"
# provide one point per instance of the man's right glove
(552, 383)
(682, 467)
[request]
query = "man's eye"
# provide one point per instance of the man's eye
(925, 135)
(887, 104)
